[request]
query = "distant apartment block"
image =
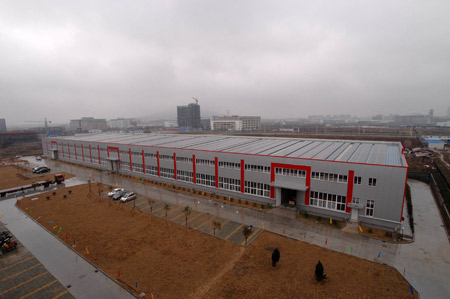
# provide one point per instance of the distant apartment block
(87, 124)
(188, 117)
(2, 125)
(235, 123)
(119, 123)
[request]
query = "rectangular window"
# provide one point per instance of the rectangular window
(357, 180)
(370, 207)
(372, 182)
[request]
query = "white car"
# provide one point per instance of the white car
(128, 196)
(113, 192)
(38, 158)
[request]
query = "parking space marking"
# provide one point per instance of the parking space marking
(195, 216)
(251, 236)
(38, 289)
(31, 257)
(233, 232)
(61, 294)
(176, 217)
(22, 283)
(18, 273)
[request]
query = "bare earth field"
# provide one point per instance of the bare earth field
(31, 148)
(10, 177)
(169, 261)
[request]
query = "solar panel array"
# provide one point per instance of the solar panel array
(384, 153)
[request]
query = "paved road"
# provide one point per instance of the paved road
(61, 262)
(426, 261)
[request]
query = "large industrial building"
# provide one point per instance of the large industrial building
(354, 180)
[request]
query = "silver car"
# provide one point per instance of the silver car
(129, 196)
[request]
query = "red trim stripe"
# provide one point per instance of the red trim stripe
(62, 147)
(82, 151)
(76, 156)
(131, 164)
(157, 160)
(68, 149)
(143, 161)
(194, 170)
(90, 152)
(99, 161)
(351, 177)
(175, 165)
(242, 176)
(217, 171)
(115, 149)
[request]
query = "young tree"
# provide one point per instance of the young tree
(187, 211)
(166, 208)
(275, 257)
(150, 203)
(217, 225)
(246, 232)
(319, 272)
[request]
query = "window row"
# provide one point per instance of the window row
(257, 168)
(167, 173)
(206, 179)
(230, 184)
(184, 160)
(332, 177)
(328, 201)
(205, 162)
(166, 157)
(255, 188)
(358, 181)
(151, 155)
(229, 165)
(186, 176)
(290, 172)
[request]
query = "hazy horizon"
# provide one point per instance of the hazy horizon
(283, 59)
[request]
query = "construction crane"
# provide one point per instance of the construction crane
(41, 121)
(196, 100)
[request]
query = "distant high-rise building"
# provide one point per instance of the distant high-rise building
(2, 125)
(87, 124)
(189, 116)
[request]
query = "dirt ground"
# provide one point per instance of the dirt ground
(32, 148)
(169, 261)
(11, 176)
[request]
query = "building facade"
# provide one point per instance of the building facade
(2, 125)
(87, 124)
(353, 180)
(188, 117)
(119, 123)
(235, 123)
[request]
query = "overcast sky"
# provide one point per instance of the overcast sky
(67, 59)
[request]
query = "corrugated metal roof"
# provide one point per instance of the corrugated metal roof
(365, 152)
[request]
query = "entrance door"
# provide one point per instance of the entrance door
(354, 215)
(288, 197)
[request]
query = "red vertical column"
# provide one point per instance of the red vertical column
(68, 149)
(118, 156)
(62, 147)
(143, 161)
(157, 160)
(242, 176)
(351, 175)
(82, 151)
(308, 184)
(272, 179)
(46, 143)
(99, 161)
(217, 171)
(90, 152)
(75, 147)
(175, 165)
(131, 166)
(194, 173)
